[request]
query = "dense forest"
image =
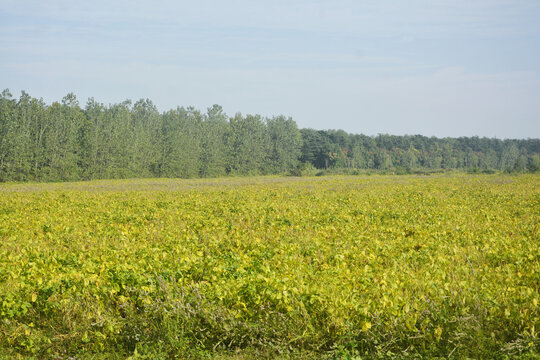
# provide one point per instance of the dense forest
(63, 141)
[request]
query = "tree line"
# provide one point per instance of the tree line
(63, 141)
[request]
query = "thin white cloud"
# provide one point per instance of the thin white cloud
(361, 17)
(365, 66)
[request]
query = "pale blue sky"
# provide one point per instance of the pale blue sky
(443, 68)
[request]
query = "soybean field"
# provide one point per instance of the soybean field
(357, 267)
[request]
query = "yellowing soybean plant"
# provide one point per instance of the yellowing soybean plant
(337, 267)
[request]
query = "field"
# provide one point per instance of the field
(339, 267)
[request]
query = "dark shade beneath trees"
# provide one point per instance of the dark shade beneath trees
(62, 142)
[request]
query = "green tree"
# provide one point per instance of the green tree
(285, 143)
(509, 157)
(145, 145)
(247, 145)
(181, 143)
(214, 129)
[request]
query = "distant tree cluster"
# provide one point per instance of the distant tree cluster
(63, 141)
(336, 148)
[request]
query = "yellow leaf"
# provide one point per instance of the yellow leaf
(366, 326)
(438, 333)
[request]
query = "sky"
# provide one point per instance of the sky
(430, 67)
